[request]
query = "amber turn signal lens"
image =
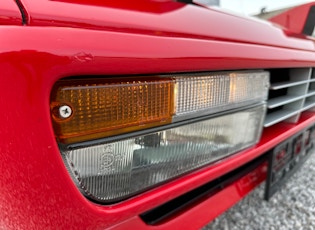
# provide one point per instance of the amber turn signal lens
(88, 109)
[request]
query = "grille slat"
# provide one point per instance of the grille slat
(278, 116)
(287, 84)
(310, 93)
(291, 92)
(309, 105)
(278, 101)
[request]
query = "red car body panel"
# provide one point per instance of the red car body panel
(293, 19)
(10, 13)
(87, 38)
(159, 18)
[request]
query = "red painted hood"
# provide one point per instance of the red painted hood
(160, 18)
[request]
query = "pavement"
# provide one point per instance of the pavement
(292, 207)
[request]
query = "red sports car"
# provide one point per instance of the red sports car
(154, 114)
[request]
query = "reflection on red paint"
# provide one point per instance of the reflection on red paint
(252, 179)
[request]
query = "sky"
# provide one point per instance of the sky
(250, 7)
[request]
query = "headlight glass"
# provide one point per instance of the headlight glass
(112, 171)
(120, 136)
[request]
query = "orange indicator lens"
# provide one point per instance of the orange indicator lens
(88, 109)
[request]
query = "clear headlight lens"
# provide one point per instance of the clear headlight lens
(120, 136)
(112, 171)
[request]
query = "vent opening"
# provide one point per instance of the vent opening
(291, 92)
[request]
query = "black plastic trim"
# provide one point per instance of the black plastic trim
(291, 166)
(23, 12)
